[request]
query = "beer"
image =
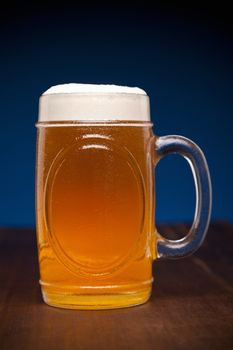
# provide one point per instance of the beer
(95, 213)
(96, 237)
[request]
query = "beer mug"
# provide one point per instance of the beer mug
(95, 196)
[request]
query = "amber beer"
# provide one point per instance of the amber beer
(95, 196)
(95, 205)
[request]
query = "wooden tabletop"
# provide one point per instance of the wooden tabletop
(191, 306)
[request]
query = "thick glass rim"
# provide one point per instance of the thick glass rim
(93, 122)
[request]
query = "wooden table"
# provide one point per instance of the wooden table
(191, 306)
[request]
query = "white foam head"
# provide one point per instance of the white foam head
(83, 102)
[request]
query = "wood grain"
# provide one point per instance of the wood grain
(191, 306)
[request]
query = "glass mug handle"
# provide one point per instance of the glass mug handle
(192, 153)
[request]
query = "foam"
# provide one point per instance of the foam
(92, 88)
(85, 102)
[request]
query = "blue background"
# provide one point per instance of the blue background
(181, 55)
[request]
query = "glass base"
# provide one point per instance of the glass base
(96, 301)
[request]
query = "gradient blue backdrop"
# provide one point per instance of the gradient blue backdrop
(182, 56)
